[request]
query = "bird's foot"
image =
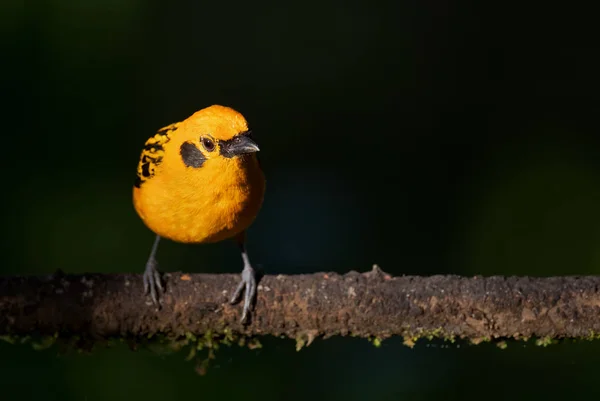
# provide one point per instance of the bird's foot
(247, 283)
(152, 282)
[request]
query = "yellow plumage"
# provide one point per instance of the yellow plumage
(199, 180)
(207, 204)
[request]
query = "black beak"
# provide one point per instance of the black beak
(238, 145)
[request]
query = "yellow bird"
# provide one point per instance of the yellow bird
(199, 181)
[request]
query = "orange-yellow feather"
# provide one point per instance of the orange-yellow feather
(205, 204)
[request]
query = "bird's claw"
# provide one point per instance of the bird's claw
(152, 281)
(247, 283)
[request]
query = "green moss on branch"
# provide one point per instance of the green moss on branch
(84, 309)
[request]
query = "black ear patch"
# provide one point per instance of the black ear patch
(191, 155)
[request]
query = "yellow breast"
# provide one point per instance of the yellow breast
(214, 203)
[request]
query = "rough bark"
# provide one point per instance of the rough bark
(303, 307)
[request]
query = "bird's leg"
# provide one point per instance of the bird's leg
(152, 282)
(248, 281)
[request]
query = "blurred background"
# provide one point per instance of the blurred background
(430, 137)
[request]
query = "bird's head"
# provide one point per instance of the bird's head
(216, 132)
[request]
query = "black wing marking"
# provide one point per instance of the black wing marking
(153, 153)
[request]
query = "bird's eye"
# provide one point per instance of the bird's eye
(208, 144)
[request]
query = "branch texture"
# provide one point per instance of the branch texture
(305, 306)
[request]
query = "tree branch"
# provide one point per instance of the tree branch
(303, 307)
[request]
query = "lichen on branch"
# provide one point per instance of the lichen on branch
(372, 305)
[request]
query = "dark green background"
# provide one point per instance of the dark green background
(428, 137)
